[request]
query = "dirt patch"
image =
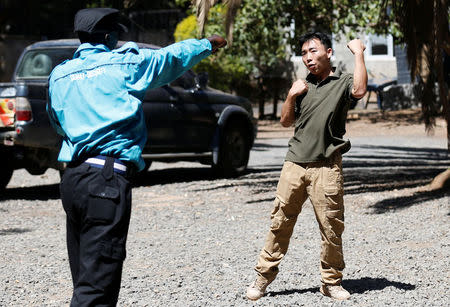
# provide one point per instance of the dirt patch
(368, 123)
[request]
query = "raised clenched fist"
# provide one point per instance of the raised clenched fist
(356, 46)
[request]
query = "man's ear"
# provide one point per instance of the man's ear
(107, 39)
(329, 53)
(111, 40)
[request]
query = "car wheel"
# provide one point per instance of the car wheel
(234, 150)
(5, 175)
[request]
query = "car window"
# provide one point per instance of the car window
(39, 63)
(186, 81)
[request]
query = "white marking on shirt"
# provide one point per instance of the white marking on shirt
(88, 74)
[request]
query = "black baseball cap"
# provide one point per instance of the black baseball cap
(98, 20)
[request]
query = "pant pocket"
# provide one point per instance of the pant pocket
(111, 250)
(102, 204)
(332, 180)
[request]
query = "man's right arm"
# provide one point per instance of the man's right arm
(162, 66)
(359, 88)
(298, 88)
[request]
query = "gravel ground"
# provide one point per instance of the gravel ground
(194, 239)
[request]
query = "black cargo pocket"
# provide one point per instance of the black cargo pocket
(102, 205)
(113, 251)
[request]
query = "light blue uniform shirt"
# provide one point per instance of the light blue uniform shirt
(96, 96)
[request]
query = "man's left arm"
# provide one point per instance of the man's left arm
(360, 73)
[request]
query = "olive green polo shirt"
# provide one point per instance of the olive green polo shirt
(320, 119)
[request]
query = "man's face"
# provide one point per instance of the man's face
(315, 57)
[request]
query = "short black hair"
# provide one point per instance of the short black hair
(322, 37)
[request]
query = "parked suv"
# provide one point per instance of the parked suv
(186, 120)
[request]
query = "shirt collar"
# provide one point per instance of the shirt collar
(87, 48)
(336, 75)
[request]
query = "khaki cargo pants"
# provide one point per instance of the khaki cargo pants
(323, 183)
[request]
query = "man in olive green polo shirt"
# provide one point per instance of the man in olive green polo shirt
(313, 167)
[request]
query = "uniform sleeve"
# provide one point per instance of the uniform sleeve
(51, 113)
(162, 66)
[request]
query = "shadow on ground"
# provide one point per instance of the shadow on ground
(353, 286)
(395, 203)
(366, 169)
(173, 175)
(40, 192)
(370, 168)
(12, 231)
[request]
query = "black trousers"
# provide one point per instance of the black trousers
(97, 202)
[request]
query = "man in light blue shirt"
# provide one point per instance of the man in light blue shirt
(96, 106)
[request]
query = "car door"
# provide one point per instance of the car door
(161, 117)
(198, 118)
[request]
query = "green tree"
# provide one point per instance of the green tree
(266, 33)
(261, 36)
(227, 70)
(424, 27)
(258, 57)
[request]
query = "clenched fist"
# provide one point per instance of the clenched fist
(356, 46)
(298, 88)
(217, 42)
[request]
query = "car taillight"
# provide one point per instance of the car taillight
(23, 109)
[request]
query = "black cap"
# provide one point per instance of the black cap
(98, 20)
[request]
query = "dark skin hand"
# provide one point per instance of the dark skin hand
(217, 42)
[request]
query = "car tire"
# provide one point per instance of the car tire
(234, 150)
(5, 175)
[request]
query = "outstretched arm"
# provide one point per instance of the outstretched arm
(164, 65)
(360, 73)
(298, 88)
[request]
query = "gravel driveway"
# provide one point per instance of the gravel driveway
(194, 239)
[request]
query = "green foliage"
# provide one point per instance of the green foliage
(261, 35)
(182, 2)
(98, 3)
(187, 28)
(266, 33)
(258, 50)
(226, 69)
(348, 18)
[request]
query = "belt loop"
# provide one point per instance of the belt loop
(108, 168)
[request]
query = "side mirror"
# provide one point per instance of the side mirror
(201, 80)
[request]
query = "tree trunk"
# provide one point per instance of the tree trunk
(262, 98)
(443, 179)
(275, 103)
